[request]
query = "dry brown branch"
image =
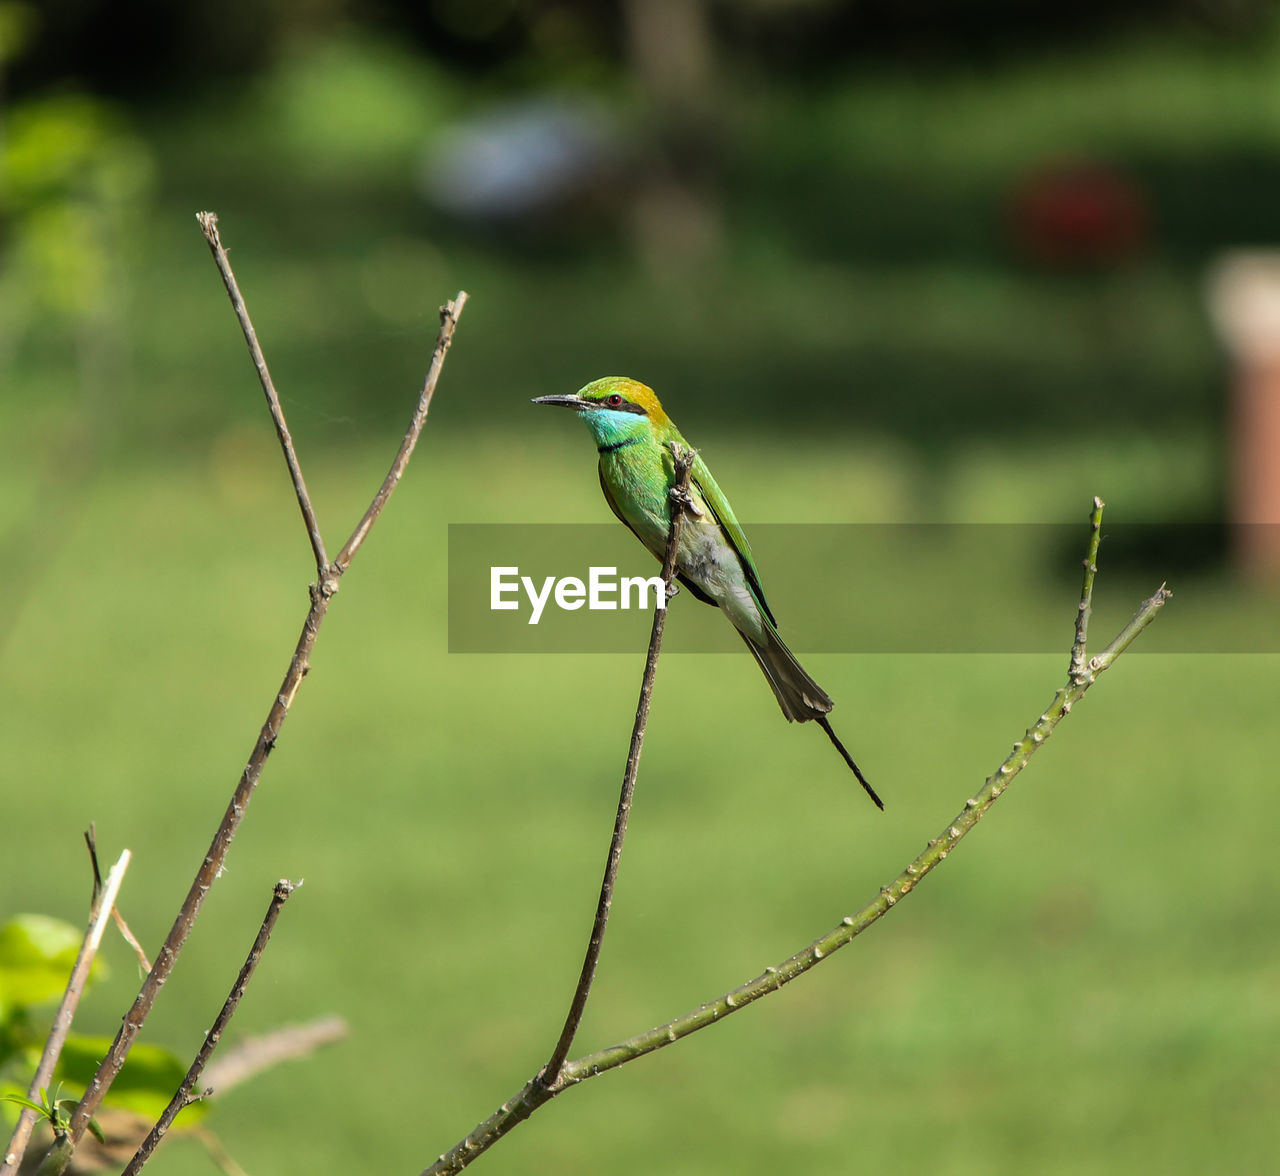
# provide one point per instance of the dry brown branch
(549, 1081)
(91, 841)
(183, 1096)
(679, 501)
(209, 226)
(448, 318)
(321, 593)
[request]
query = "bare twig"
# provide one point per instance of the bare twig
(853, 925)
(127, 934)
(1085, 608)
(321, 593)
(679, 502)
(253, 1055)
(535, 1093)
(449, 313)
(222, 1159)
(549, 1081)
(209, 226)
(183, 1096)
(91, 841)
(103, 900)
(210, 868)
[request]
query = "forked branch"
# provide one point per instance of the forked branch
(1082, 673)
(321, 592)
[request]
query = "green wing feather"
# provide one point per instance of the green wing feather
(613, 506)
(714, 497)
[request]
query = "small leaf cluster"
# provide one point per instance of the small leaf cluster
(37, 954)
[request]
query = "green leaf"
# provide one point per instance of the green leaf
(148, 1081)
(63, 1109)
(23, 1101)
(12, 1093)
(37, 954)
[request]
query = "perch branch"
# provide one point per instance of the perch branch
(548, 1082)
(535, 1093)
(679, 503)
(183, 1096)
(321, 593)
(103, 901)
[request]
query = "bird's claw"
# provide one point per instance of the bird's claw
(684, 500)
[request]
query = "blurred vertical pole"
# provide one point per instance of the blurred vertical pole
(1244, 302)
(676, 209)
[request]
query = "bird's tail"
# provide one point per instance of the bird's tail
(799, 696)
(848, 759)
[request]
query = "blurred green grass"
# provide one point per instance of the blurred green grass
(868, 253)
(1084, 987)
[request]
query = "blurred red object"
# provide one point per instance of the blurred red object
(1078, 213)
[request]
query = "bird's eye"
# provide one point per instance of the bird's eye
(613, 400)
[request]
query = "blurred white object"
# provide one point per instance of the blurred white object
(521, 159)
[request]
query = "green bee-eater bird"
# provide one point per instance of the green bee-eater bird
(713, 560)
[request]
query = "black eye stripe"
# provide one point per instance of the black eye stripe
(625, 406)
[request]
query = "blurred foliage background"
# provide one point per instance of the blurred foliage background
(931, 261)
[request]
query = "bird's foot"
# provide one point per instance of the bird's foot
(684, 500)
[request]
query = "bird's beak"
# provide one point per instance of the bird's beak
(563, 401)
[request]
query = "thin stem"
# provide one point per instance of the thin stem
(299, 665)
(91, 841)
(253, 1055)
(206, 875)
(678, 504)
(1085, 608)
(853, 925)
(449, 313)
(100, 911)
(549, 1081)
(1140, 620)
(182, 1097)
(535, 1093)
(91, 844)
(209, 226)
